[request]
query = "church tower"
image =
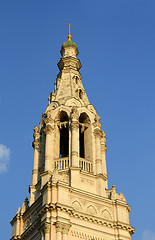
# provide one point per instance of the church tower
(69, 195)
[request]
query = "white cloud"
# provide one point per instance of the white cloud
(4, 158)
(147, 235)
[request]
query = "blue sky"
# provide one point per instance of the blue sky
(116, 41)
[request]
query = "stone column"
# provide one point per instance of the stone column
(49, 148)
(97, 134)
(75, 137)
(98, 161)
(35, 145)
(103, 152)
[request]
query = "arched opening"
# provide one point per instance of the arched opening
(76, 80)
(64, 135)
(80, 93)
(84, 135)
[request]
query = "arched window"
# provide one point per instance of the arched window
(84, 138)
(64, 135)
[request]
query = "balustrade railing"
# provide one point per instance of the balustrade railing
(62, 163)
(85, 165)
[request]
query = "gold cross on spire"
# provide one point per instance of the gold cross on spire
(70, 27)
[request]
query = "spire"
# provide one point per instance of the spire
(68, 83)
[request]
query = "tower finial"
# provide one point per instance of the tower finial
(69, 35)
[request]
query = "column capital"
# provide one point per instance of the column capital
(44, 228)
(97, 133)
(48, 130)
(62, 227)
(75, 125)
(65, 229)
(103, 148)
(47, 227)
(58, 227)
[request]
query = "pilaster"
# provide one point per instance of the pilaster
(98, 160)
(103, 153)
(75, 137)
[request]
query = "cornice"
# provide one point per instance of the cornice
(87, 217)
(106, 223)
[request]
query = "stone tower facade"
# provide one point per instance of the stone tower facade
(69, 195)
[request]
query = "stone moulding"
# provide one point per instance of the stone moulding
(87, 217)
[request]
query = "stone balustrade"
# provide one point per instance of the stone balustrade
(62, 163)
(85, 165)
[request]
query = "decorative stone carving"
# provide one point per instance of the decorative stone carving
(103, 142)
(91, 109)
(35, 144)
(62, 227)
(97, 133)
(77, 206)
(65, 228)
(91, 210)
(48, 118)
(36, 134)
(30, 219)
(85, 180)
(97, 123)
(47, 228)
(54, 105)
(106, 214)
(74, 113)
(27, 222)
(103, 138)
(73, 102)
(58, 227)
(48, 130)
(34, 216)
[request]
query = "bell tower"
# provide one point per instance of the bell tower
(69, 195)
